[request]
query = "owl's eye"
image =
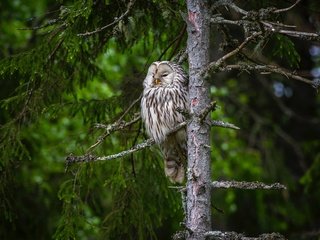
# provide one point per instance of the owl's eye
(164, 74)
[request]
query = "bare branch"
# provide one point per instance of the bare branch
(220, 61)
(240, 236)
(288, 8)
(176, 40)
(116, 20)
(116, 126)
(230, 4)
(278, 24)
(303, 35)
(90, 158)
(180, 57)
(219, 123)
(269, 69)
(240, 185)
(220, 20)
(246, 185)
(131, 106)
(110, 128)
(274, 27)
(211, 107)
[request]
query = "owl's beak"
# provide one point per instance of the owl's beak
(157, 81)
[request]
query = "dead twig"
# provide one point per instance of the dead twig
(288, 8)
(220, 61)
(116, 20)
(118, 125)
(269, 69)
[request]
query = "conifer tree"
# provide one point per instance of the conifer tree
(70, 79)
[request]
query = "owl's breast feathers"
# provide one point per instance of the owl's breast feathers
(159, 110)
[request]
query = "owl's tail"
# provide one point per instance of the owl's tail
(174, 170)
(175, 158)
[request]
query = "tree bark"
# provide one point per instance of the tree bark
(198, 212)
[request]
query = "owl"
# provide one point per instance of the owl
(165, 91)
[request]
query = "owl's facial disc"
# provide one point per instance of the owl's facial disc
(163, 75)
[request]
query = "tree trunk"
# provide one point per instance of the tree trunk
(199, 175)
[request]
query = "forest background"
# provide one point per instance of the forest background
(58, 79)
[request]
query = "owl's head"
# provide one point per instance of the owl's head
(160, 74)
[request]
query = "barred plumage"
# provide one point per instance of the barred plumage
(165, 91)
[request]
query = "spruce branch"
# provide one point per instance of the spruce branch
(247, 185)
(47, 24)
(116, 20)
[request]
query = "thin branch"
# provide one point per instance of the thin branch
(178, 43)
(220, 61)
(58, 45)
(48, 23)
(118, 125)
(116, 20)
(129, 108)
(272, 27)
(285, 109)
(303, 35)
(220, 20)
(240, 236)
(240, 185)
(246, 185)
(219, 123)
(230, 4)
(180, 57)
(288, 8)
(173, 41)
(211, 107)
(269, 69)
(278, 24)
(90, 158)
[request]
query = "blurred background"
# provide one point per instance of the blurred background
(55, 85)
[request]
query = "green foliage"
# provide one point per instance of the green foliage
(55, 85)
(285, 49)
